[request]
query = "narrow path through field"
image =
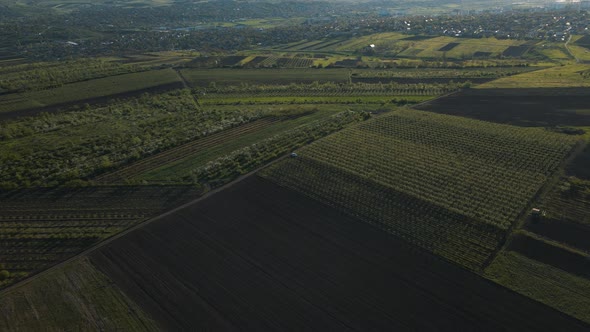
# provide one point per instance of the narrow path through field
(182, 78)
(569, 51)
(186, 85)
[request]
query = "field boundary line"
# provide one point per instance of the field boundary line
(448, 94)
(115, 237)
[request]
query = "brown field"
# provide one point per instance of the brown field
(261, 257)
(522, 107)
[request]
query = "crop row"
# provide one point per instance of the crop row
(444, 73)
(55, 75)
(340, 93)
(181, 152)
(269, 62)
(431, 227)
(438, 160)
(41, 227)
(245, 159)
(107, 137)
(450, 185)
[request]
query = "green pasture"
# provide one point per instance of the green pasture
(567, 76)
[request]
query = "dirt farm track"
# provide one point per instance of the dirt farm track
(257, 256)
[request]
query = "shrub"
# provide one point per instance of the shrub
(4, 275)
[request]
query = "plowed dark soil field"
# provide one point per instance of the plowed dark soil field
(570, 233)
(558, 257)
(260, 257)
(521, 107)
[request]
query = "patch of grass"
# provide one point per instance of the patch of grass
(582, 53)
(554, 77)
(555, 53)
(355, 44)
(558, 289)
(74, 297)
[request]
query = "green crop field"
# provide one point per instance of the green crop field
(467, 48)
(204, 77)
(41, 227)
(77, 92)
(181, 169)
(268, 165)
(393, 43)
(237, 150)
(554, 77)
(580, 51)
(451, 73)
(343, 100)
(466, 179)
(52, 149)
(98, 304)
(561, 290)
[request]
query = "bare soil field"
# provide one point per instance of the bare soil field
(558, 257)
(260, 257)
(516, 51)
(521, 107)
(584, 41)
(573, 234)
(448, 47)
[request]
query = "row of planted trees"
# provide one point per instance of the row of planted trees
(51, 75)
(53, 149)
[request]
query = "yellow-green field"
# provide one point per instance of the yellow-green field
(581, 53)
(467, 47)
(554, 52)
(377, 39)
(395, 43)
(568, 76)
(82, 299)
(561, 290)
